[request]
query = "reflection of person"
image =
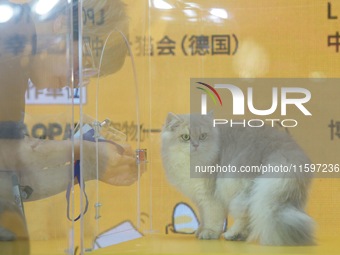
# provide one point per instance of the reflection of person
(39, 53)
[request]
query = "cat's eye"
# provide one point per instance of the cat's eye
(203, 136)
(185, 137)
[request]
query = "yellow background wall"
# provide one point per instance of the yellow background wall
(277, 39)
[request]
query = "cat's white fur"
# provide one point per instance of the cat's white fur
(267, 209)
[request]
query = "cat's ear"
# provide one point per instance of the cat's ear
(172, 121)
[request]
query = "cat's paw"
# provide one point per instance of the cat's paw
(207, 234)
(234, 236)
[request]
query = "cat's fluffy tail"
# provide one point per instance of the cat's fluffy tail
(277, 223)
(288, 227)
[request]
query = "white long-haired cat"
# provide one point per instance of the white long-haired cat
(266, 208)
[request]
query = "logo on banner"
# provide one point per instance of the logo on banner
(243, 102)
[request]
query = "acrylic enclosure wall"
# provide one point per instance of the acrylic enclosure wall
(95, 80)
(173, 41)
(37, 62)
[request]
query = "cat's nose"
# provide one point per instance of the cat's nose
(195, 145)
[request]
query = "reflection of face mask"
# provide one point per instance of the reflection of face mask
(52, 61)
(17, 44)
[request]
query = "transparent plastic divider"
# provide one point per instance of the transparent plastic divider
(104, 123)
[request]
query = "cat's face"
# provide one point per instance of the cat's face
(192, 134)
